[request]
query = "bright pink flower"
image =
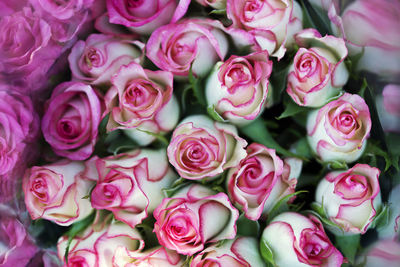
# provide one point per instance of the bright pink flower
(318, 72)
(56, 192)
(339, 130)
(296, 240)
(351, 199)
(238, 87)
(183, 222)
(71, 120)
(261, 180)
(141, 99)
(201, 148)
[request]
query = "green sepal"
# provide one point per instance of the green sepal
(348, 245)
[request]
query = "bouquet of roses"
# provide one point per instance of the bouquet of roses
(199, 133)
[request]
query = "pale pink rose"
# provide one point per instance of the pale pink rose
(57, 193)
(141, 100)
(145, 16)
(201, 148)
(238, 87)
(382, 253)
(261, 180)
(318, 72)
(339, 130)
(297, 240)
(352, 198)
(389, 108)
(97, 245)
(183, 222)
(191, 43)
(391, 93)
(16, 246)
(272, 22)
(95, 60)
(71, 119)
(129, 185)
(216, 4)
(374, 25)
(155, 257)
(238, 252)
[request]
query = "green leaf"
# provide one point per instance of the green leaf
(374, 150)
(218, 12)
(122, 143)
(159, 137)
(176, 186)
(214, 114)
(337, 165)
(278, 80)
(246, 227)
(302, 148)
(281, 205)
(259, 133)
(266, 252)
(291, 109)
(382, 217)
(348, 245)
(317, 18)
(319, 212)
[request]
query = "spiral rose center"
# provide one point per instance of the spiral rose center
(307, 65)
(133, 3)
(67, 129)
(140, 94)
(78, 261)
(182, 53)
(251, 8)
(39, 189)
(352, 186)
(93, 58)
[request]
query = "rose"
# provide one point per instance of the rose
(144, 17)
(271, 22)
(55, 192)
(201, 148)
(141, 100)
(216, 4)
(339, 130)
(98, 244)
(351, 199)
(261, 180)
(382, 253)
(296, 240)
(374, 25)
(158, 256)
(238, 252)
(190, 44)
(388, 109)
(26, 49)
(318, 72)
(95, 60)
(238, 87)
(183, 221)
(129, 185)
(17, 247)
(70, 122)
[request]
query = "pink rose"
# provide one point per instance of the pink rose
(155, 257)
(145, 16)
(318, 72)
(390, 93)
(261, 180)
(352, 198)
(95, 60)
(56, 192)
(296, 240)
(17, 247)
(238, 252)
(271, 22)
(129, 185)
(216, 4)
(382, 253)
(97, 245)
(374, 25)
(71, 120)
(191, 43)
(183, 221)
(141, 100)
(388, 108)
(238, 87)
(339, 130)
(26, 49)
(201, 148)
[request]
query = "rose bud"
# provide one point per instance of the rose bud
(201, 148)
(238, 252)
(95, 60)
(273, 23)
(339, 130)
(297, 240)
(143, 17)
(97, 246)
(318, 72)
(192, 43)
(184, 222)
(350, 199)
(261, 180)
(57, 193)
(238, 87)
(71, 120)
(129, 185)
(158, 256)
(372, 28)
(141, 100)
